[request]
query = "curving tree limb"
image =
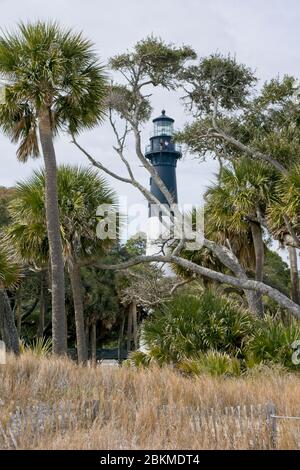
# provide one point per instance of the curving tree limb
(245, 284)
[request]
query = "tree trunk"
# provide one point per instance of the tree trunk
(3, 329)
(66, 316)
(87, 331)
(42, 312)
(294, 274)
(76, 286)
(18, 311)
(8, 328)
(94, 341)
(120, 342)
(53, 229)
(129, 329)
(134, 324)
(257, 237)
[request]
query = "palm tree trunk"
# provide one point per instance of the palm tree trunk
(18, 310)
(76, 286)
(53, 230)
(94, 341)
(129, 329)
(294, 274)
(42, 312)
(87, 332)
(3, 330)
(134, 324)
(7, 324)
(257, 237)
(66, 317)
(120, 341)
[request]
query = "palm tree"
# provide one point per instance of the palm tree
(52, 81)
(235, 206)
(80, 192)
(285, 205)
(9, 275)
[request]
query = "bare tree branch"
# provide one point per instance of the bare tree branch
(244, 148)
(146, 193)
(98, 164)
(181, 283)
(245, 284)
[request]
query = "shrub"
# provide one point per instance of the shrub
(212, 334)
(271, 342)
(187, 326)
(40, 347)
(214, 363)
(138, 359)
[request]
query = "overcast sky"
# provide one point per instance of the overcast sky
(264, 34)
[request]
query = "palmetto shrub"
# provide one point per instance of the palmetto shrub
(138, 359)
(271, 342)
(213, 334)
(213, 363)
(187, 326)
(40, 347)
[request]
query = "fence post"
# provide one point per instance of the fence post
(272, 423)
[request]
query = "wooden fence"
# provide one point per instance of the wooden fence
(242, 426)
(258, 426)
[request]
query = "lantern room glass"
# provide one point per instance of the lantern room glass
(163, 127)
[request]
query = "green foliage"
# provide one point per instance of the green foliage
(286, 202)
(213, 362)
(193, 136)
(136, 246)
(154, 61)
(221, 78)
(151, 62)
(276, 272)
(124, 101)
(40, 347)
(271, 342)
(6, 194)
(100, 298)
(266, 120)
(277, 91)
(271, 124)
(45, 66)
(139, 359)
(187, 325)
(80, 192)
(242, 190)
(10, 267)
(210, 334)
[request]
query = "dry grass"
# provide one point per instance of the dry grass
(50, 404)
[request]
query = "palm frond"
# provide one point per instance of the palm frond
(10, 267)
(80, 191)
(43, 64)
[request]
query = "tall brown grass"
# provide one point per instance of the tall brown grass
(51, 403)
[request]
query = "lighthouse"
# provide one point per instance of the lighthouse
(163, 154)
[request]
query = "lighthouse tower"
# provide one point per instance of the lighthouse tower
(163, 154)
